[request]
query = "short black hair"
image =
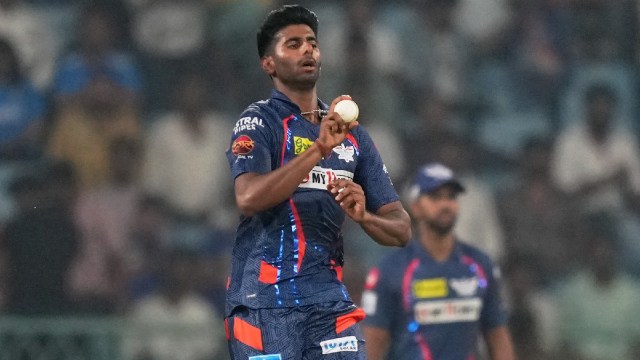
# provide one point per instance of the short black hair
(283, 17)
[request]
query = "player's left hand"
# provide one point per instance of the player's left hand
(350, 196)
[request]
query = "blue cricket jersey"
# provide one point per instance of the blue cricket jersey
(292, 254)
(433, 310)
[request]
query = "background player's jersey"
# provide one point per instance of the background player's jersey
(292, 254)
(433, 310)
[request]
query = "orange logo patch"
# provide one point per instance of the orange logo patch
(242, 145)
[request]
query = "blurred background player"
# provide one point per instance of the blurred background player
(297, 174)
(428, 300)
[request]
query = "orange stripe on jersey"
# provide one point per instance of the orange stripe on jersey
(352, 139)
(345, 321)
(226, 329)
(268, 273)
(247, 333)
(337, 269)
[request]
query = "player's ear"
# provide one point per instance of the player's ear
(268, 65)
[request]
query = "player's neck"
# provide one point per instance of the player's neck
(439, 246)
(307, 101)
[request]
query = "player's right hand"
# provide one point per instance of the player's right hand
(333, 129)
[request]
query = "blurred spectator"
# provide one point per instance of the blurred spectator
(97, 58)
(435, 53)
(170, 36)
(150, 237)
(532, 312)
(22, 109)
(106, 217)
(437, 121)
(484, 22)
(82, 132)
(601, 31)
(359, 59)
(597, 160)
(478, 222)
(537, 218)
(599, 318)
(176, 322)
(41, 242)
(34, 39)
(216, 267)
(232, 27)
(539, 47)
(185, 161)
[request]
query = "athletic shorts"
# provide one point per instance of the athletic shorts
(320, 331)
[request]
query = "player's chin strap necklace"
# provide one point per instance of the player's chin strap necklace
(321, 112)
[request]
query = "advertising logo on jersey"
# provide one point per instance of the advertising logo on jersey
(301, 144)
(320, 177)
(430, 288)
(243, 145)
(247, 123)
(447, 311)
(348, 343)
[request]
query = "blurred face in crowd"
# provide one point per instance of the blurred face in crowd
(600, 112)
(438, 210)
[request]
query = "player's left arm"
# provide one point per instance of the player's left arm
(390, 225)
(499, 343)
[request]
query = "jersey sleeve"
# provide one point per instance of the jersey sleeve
(251, 144)
(382, 298)
(372, 175)
(493, 311)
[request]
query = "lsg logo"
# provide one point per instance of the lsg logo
(349, 343)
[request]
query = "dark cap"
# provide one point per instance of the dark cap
(431, 177)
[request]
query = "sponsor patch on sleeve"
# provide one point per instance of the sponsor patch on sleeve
(243, 145)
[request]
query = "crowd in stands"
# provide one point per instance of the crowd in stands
(115, 193)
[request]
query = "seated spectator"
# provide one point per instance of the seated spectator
(170, 36)
(536, 216)
(34, 37)
(596, 161)
(22, 109)
(106, 217)
(176, 322)
(97, 56)
(598, 306)
(184, 156)
(40, 242)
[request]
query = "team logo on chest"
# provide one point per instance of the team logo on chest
(465, 286)
(344, 152)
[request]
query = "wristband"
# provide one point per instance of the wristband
(324, 150)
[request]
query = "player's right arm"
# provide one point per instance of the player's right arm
(256, 192)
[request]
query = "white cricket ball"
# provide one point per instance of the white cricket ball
(348, 110)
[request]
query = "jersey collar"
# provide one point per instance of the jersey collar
(284, 101)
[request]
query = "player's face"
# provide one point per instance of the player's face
(438, 209)
(295, 58)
